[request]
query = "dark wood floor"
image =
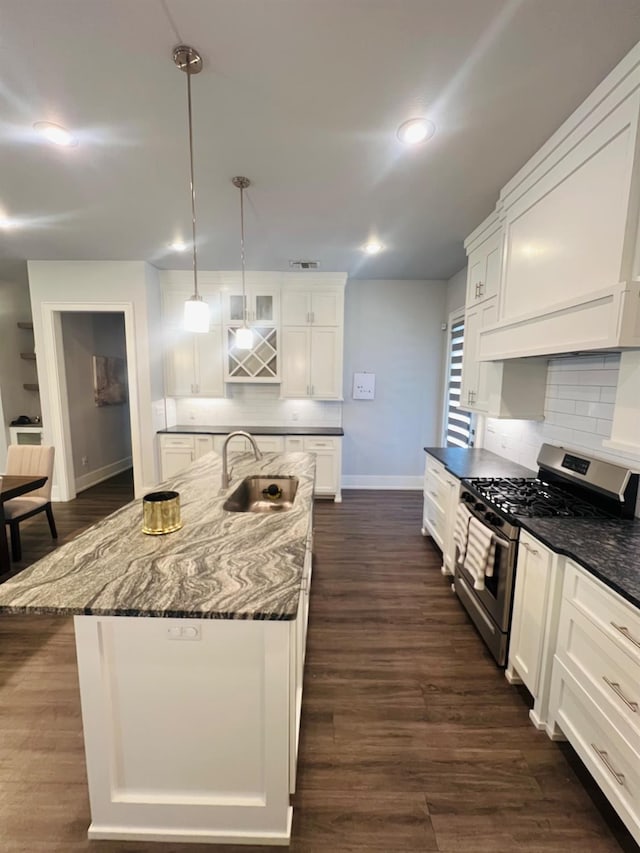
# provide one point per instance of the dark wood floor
(411, 740)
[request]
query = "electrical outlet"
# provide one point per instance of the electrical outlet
(294, 416)
(85, 461)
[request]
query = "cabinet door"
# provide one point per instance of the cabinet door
(263, 306)
(327, 474)
(202, 444)
(326, 308)
(491, 284)
(180, 361)
(174, 460)
(469, 388)
(296, 308)
(295, 362)
(529, 610)
(209, 363)
(476, 275)
(325, 374)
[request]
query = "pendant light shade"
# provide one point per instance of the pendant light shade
(244, 335)
(196, 311)
(196, 315)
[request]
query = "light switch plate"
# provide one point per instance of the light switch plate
(364, 386)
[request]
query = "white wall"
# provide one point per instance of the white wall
(457, 291)
(99, 434)
(97, 285)
(392, 329)
(578, 413)
(15, 371)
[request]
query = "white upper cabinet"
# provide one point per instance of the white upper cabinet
(312, 362)
(507, 389)
(312, 308)
(570, 278)
(263, 305)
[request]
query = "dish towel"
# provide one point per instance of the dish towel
(461, 531)
(480, 555)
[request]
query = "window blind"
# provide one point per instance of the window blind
(458, 426)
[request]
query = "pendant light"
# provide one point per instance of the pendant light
(196, 311)
(244, 335)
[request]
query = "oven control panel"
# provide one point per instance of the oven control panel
(575, 463)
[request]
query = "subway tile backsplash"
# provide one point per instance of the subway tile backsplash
(254, 405)
(578, 412)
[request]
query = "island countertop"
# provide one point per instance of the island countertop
(220, 565)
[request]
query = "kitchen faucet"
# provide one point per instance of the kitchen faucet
(226, 474)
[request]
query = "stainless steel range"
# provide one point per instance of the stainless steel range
(568, 485)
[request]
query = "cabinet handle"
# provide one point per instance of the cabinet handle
(480, 288)
(308, 316)
(633, 706)
(531, 550)
(312, 390)
(604, 757)
(313, 317)
(626, 633)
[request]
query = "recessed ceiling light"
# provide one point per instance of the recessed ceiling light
(55, 133)
(373, 247)
(178, 246)
(416, 130)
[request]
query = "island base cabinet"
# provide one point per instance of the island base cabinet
(187, 728)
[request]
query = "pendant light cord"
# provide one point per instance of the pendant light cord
(244, 294)
(193, 186)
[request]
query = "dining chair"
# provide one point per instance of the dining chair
(25, 461)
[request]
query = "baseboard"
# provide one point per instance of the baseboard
(376, 481)
(101, 474)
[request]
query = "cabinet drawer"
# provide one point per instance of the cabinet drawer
(617, 619)
(434, 468)
(434, 520)
(602, 669)
(184, 441)
(607, 755)
(320, 444)
(293, 444)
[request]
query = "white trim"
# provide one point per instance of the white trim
(99, 475)
(380, 481)
(52, 360)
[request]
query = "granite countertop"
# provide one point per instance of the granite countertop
(192, 429)
(220, 565)
(608, 548)
(465, 462)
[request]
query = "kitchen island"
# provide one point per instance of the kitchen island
(190, 720)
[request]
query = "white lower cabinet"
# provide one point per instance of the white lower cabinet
(595, 688)
(177, 452)
(534, 622)
(440, 491)
(328, 453)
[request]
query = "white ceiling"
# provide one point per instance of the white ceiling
(303, 97)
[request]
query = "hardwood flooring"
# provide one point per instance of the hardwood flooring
(411, 739)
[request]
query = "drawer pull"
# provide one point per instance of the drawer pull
(531, 550)
(433, 494)
(633, 706)
(626, 633)
(604, 757)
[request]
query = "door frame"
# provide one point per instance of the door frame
(60, 425)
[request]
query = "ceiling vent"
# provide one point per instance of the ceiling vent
(304, 265)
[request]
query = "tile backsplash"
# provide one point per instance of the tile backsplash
(253, 405)
(578, 412)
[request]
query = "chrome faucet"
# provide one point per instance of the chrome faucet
(226, 474)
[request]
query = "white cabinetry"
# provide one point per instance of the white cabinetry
(177, 452)
(534, 623)
(571, 259)
(328, 453)
(312, 340)
(262, 304)
(440, 491)
(595, 693)
(312, 307)
(509, 389)
(312, 362)
(239, 444)
(193, 362)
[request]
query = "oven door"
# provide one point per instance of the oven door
(498, 590)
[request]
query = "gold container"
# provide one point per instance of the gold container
(161, 513)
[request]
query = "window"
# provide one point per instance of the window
(457, 428)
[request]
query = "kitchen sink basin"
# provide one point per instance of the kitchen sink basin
(263, 494)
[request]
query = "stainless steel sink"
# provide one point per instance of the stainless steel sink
(263, 494)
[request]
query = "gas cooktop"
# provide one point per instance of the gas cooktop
(533, 498)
